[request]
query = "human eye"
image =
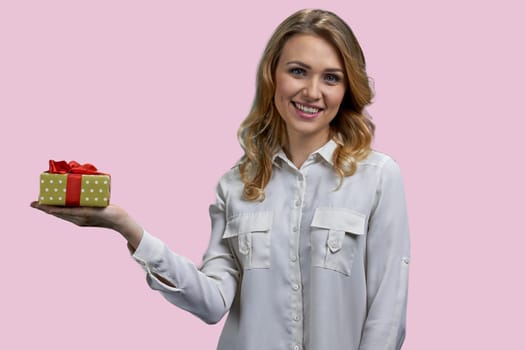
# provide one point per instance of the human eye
(332, 78)
(296, 71)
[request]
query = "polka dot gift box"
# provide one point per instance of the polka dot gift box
(72, 184)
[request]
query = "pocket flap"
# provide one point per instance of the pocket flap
(250, 222)
(335, 240)
(342, 219)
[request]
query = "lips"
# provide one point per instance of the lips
(307, 111)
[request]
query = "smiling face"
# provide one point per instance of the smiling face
(309, 88)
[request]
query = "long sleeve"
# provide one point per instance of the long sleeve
(387, 260)
(208, 291)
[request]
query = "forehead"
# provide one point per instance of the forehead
(312, 50)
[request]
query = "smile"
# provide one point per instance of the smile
(306, 109)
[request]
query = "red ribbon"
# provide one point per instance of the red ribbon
(74, 173)
(63, 167)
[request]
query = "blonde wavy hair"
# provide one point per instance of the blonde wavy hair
(263, 131)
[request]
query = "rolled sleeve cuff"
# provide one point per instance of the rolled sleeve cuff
(149, 249)
(150, 254)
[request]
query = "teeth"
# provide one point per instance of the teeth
(310, 110)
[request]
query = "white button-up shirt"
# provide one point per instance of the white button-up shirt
(311, 267)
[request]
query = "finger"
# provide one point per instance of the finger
(56, 210)
(35, 205)
(77, 220)
(42, 207)
(73, 219)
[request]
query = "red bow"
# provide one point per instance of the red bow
(63, 167)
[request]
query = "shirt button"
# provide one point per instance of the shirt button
(293, 257)
(296, 347)
(295, 229)
(297, 203)
(295, 286)
(297, 318)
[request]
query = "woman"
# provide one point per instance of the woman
(309, 246)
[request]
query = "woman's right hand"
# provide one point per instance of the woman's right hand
(112, 217)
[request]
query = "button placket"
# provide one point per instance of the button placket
(296, 308)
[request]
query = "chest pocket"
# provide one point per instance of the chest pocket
(335, 238)
(250, 236)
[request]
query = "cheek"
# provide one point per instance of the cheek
(282, 95)
(336, 98)
(285, 87)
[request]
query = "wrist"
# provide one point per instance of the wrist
(130, 230)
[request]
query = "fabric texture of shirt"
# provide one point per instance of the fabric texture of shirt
(312, 267)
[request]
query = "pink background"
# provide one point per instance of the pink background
(153, 92)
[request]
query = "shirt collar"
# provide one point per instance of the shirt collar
(326, 152)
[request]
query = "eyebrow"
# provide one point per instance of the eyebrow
(304, 65)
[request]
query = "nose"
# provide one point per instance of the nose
(312, 90)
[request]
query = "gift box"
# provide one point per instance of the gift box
(73, 185)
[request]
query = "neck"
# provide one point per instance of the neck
(299, 148)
